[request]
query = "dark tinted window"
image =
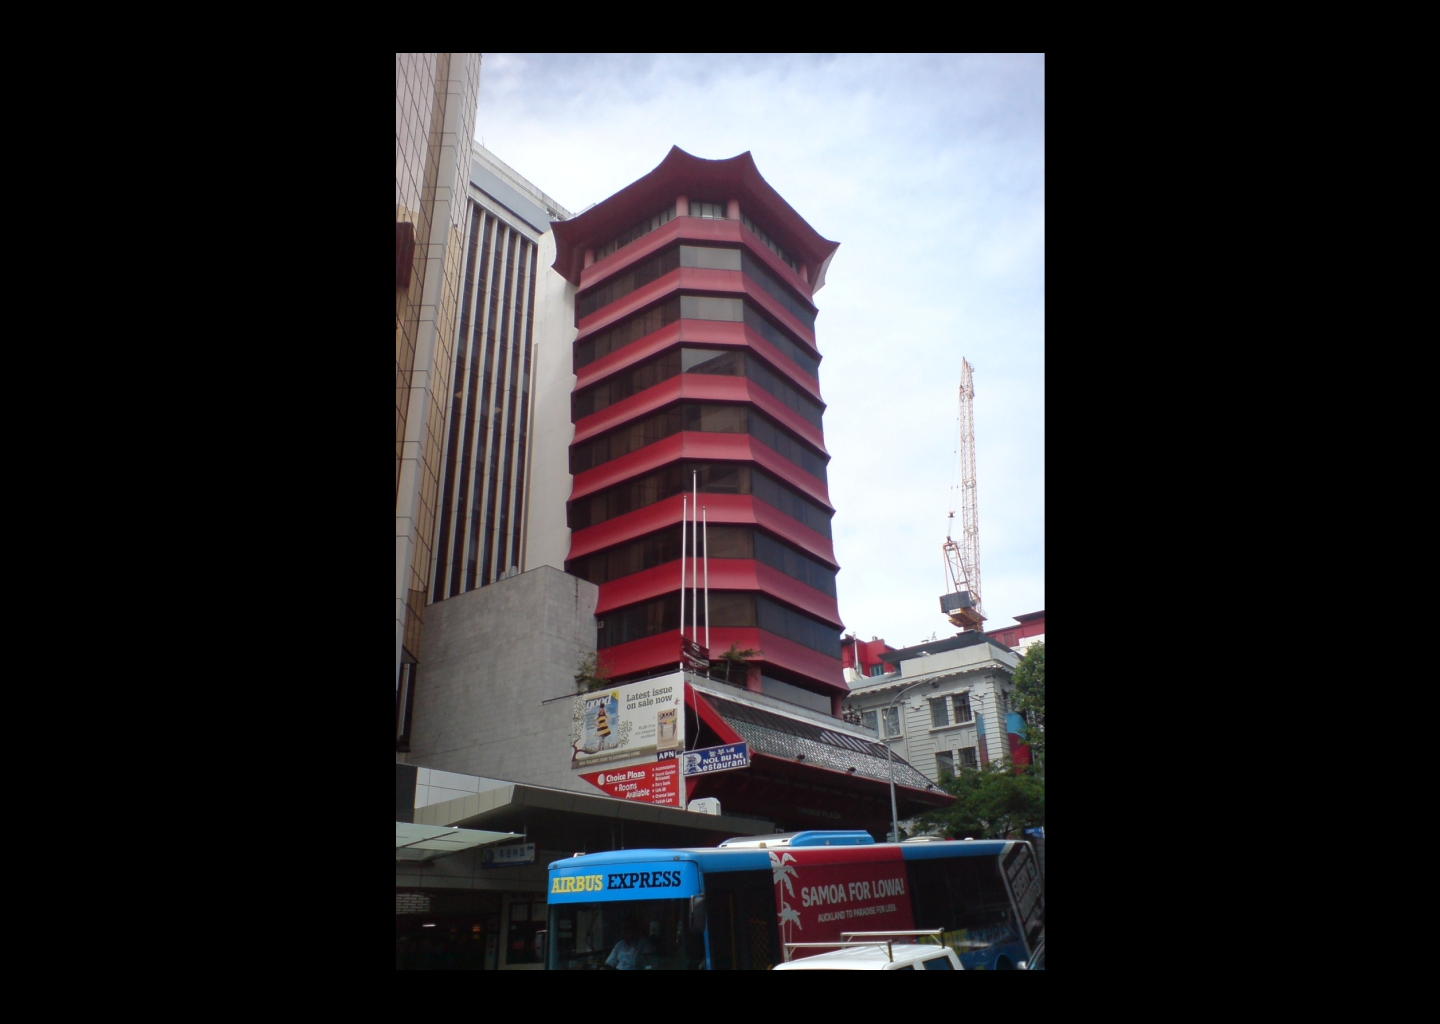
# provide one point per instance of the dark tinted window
(622, 385)
(966, 897)
(721, 542)
(757, 322)
(741, 920)
(708, 418)
(787, 622)
(707, 258)
(939, 963)
(727, 608)
(777, 495)
(1023, 872)
(632, 557)
(760, 274)
(630, 330)
(623, 284)
(792, 562)
(714, 478)
(646, 226)
(770, 243)
(693, 307)
(713, 362)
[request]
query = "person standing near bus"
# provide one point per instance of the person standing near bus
(629, 949)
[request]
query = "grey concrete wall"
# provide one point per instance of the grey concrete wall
(487, 660)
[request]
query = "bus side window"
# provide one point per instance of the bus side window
(741, 920)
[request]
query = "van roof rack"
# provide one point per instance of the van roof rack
(888, 947)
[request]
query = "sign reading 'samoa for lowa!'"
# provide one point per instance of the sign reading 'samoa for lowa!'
(634, 722)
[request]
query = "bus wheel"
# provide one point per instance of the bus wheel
(1004, 964)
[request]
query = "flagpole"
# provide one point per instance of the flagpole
(683, 499)
(695, 554)
(705, 532)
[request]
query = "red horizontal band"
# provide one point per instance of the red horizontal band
(720, 508)
(663, 650)
(726, 574)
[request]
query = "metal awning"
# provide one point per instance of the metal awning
(797, 739)
(426, 842)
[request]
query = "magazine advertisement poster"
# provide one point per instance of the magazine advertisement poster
(631, 722)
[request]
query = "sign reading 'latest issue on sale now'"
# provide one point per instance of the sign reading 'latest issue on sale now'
(630, 722)
(653, 783)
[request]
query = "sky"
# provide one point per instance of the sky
(930, 173)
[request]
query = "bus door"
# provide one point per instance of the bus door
(967, 897)
(740, 921)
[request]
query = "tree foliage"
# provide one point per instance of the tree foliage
(1029, 699)
(591, 673)
(1000, 799)
(735, 658)
(993, 801)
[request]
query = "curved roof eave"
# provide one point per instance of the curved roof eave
(678, 174)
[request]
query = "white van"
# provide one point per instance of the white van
(879, 956)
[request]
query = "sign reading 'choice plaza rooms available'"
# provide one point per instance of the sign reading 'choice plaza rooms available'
(653, 783)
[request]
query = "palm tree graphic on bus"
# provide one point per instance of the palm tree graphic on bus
(780, 867)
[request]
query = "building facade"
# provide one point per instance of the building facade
(481, 532)
(497, 359)
(1029, 629)
(436, 95)
(862, 661)
(954, 705)
(697, 370)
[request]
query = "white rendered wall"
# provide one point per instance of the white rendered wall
(979, 670)
(547, 537)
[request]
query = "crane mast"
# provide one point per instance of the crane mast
(961, 603)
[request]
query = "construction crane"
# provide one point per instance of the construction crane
(961, 602)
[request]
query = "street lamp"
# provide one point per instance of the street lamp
(890, 761)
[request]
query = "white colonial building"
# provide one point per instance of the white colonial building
(947, 707)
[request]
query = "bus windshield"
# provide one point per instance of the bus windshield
(630, 935)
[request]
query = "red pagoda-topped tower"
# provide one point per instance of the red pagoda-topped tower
(696, 360)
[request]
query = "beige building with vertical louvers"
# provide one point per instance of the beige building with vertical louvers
(500, 376)
(436, 96)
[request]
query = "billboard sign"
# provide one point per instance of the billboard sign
(715, 759)
(632, 722)
(655, 783)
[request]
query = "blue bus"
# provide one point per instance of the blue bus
(735, 906)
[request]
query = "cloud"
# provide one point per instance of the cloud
(930, 173)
